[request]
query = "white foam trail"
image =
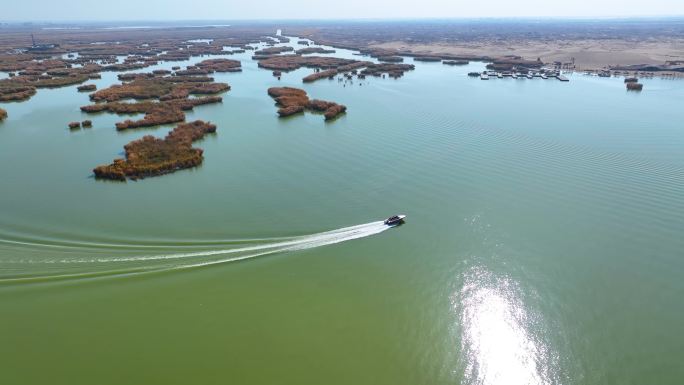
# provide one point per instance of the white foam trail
(70, 244)
(303, 246)
(298, 243)
(186, 260)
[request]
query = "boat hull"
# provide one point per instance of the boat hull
(395, 221)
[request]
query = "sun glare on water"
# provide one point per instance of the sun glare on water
(496, 341)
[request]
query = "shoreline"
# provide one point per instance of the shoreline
(577, 56)
(630, 63)
(597, 45)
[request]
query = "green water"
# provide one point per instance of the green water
(542, 245)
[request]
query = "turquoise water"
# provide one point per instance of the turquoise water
(542, 245)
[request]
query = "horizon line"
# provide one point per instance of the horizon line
(357, 19)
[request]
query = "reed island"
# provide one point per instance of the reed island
(162, 98)
(293, 101)
(152, 156)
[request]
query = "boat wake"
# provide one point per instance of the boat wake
(84, 266)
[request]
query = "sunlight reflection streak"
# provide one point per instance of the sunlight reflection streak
(496, 341)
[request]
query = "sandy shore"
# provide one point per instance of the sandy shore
(587, 54)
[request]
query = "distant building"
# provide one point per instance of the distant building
(40, 47)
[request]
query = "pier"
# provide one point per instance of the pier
(543, 74)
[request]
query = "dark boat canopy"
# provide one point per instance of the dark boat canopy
(395, 219)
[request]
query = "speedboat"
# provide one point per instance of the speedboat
(395, 220)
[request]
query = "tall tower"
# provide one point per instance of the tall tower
(33, 41)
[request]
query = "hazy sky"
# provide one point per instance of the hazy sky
(308, 9)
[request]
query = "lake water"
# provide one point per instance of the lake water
(543, 243)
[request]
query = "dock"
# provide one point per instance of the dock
(486, 75)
